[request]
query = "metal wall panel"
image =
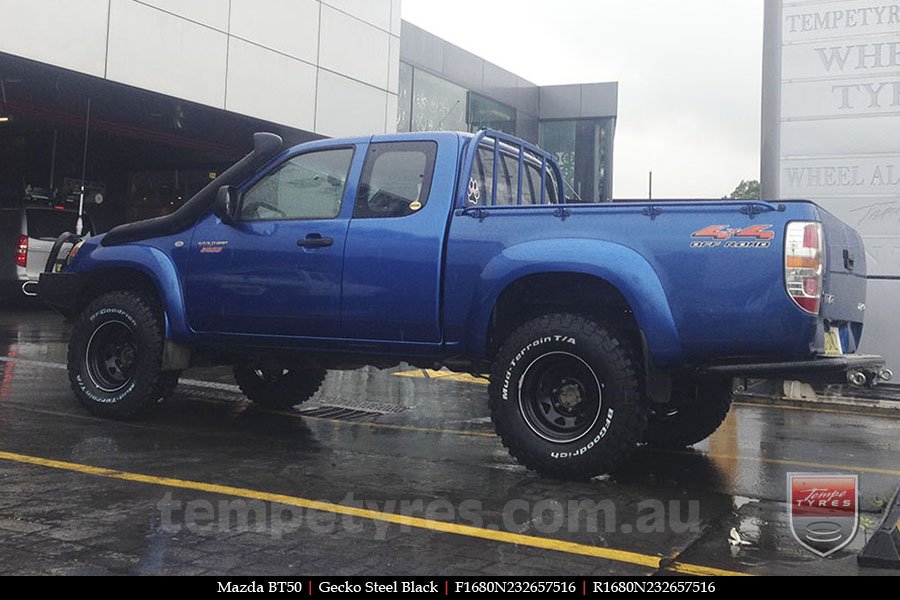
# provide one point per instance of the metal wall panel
(183, 49)
(831, 130)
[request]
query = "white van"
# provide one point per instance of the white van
(26, 238)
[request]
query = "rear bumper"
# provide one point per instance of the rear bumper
(819, 370)
(61, 291)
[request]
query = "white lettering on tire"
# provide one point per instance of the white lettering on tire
(584, 449)
(112, 311)
(103, 399)
(507, 377)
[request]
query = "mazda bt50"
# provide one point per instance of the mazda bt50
(600, 326)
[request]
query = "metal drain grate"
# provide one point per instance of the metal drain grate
(380, 408)
(328, 407)
(339, 413)
(197, 392)
(324, 407)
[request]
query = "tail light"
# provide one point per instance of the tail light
(804, 265)
(22, 251)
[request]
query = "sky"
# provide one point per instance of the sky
(689, 74)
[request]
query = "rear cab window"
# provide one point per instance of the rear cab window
(396, 179)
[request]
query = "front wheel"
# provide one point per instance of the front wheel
(697, 409)
(115, 356)
(278, 388)
(565, 398)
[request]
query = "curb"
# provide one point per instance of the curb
(863, 406)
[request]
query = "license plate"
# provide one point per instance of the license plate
(833, 343)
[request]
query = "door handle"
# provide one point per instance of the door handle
(849, 260)
(315, 240)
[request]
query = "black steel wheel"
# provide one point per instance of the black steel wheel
(561, 397)
(565, 397)
(111, 356)
(115, 356)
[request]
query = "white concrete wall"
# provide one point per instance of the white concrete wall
(840, 116)
(327, 66)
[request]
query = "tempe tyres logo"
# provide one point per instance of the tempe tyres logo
(824, 510)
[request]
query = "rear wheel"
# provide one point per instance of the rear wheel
(115, 356)
(564, 397)
(697, 409)
(167, 383)
(278, 388)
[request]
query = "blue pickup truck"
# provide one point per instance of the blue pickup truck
(601, 326)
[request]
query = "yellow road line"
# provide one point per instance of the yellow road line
(762, 459)
(486, 434)
(699, 571)
(442, 375)
(786, 462)
(465, 378)
(623, 556)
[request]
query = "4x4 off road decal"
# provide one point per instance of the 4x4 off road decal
(726, 236)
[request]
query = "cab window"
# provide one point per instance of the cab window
(309, 186)
(396, 180)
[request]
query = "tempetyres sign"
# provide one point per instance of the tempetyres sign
(831, 130)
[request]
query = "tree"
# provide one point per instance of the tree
(746, 190)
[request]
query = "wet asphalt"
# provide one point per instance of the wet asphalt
(80, 495)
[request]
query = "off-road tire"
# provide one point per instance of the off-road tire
(697, 409)
(596, 370)
(139, 384)
(278, 392)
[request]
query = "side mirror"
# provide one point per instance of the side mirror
(224, 206)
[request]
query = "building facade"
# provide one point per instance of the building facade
(442, 86)
(143, 101)
(831, 131)
(298, 63)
